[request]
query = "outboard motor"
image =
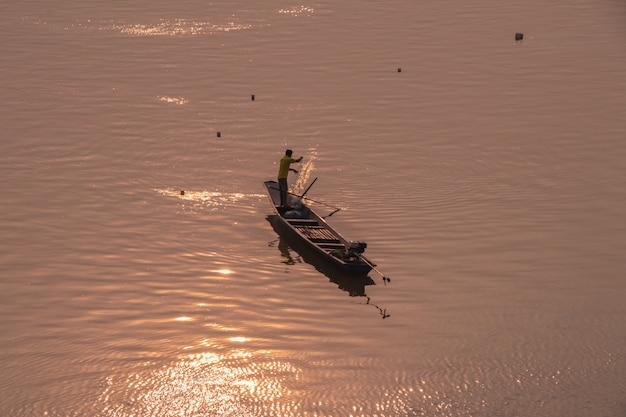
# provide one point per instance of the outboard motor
(354, 249)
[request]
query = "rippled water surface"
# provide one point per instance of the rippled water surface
(486, 175)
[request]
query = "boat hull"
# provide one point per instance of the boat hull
(305, 230)
(354, 283)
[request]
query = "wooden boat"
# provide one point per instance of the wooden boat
(312, 232)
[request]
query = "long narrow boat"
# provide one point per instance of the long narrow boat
(304, 225)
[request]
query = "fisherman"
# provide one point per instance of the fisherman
(283, 172)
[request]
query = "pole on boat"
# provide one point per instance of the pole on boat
(385, 279)
(310, 199)
(308, 188)
(330, 214)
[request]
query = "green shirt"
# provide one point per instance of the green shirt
(285, 162)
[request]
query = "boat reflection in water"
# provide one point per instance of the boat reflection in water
(351, 282)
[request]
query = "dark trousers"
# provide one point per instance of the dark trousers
(283, 187)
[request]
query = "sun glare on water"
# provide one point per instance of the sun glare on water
(237, 382)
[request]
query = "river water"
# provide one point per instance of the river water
(487, 176)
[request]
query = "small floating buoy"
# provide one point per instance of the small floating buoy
(519, 36)
(252, 97)
(219, 134)
(182, 192)
(399, 69)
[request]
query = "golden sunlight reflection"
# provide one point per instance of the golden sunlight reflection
(239, 339)
(173, 100)
(175, 27)
(213, 200)
(163, 27)
(297, 11)
(224, 271)
(183, 318)
(217, 382)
